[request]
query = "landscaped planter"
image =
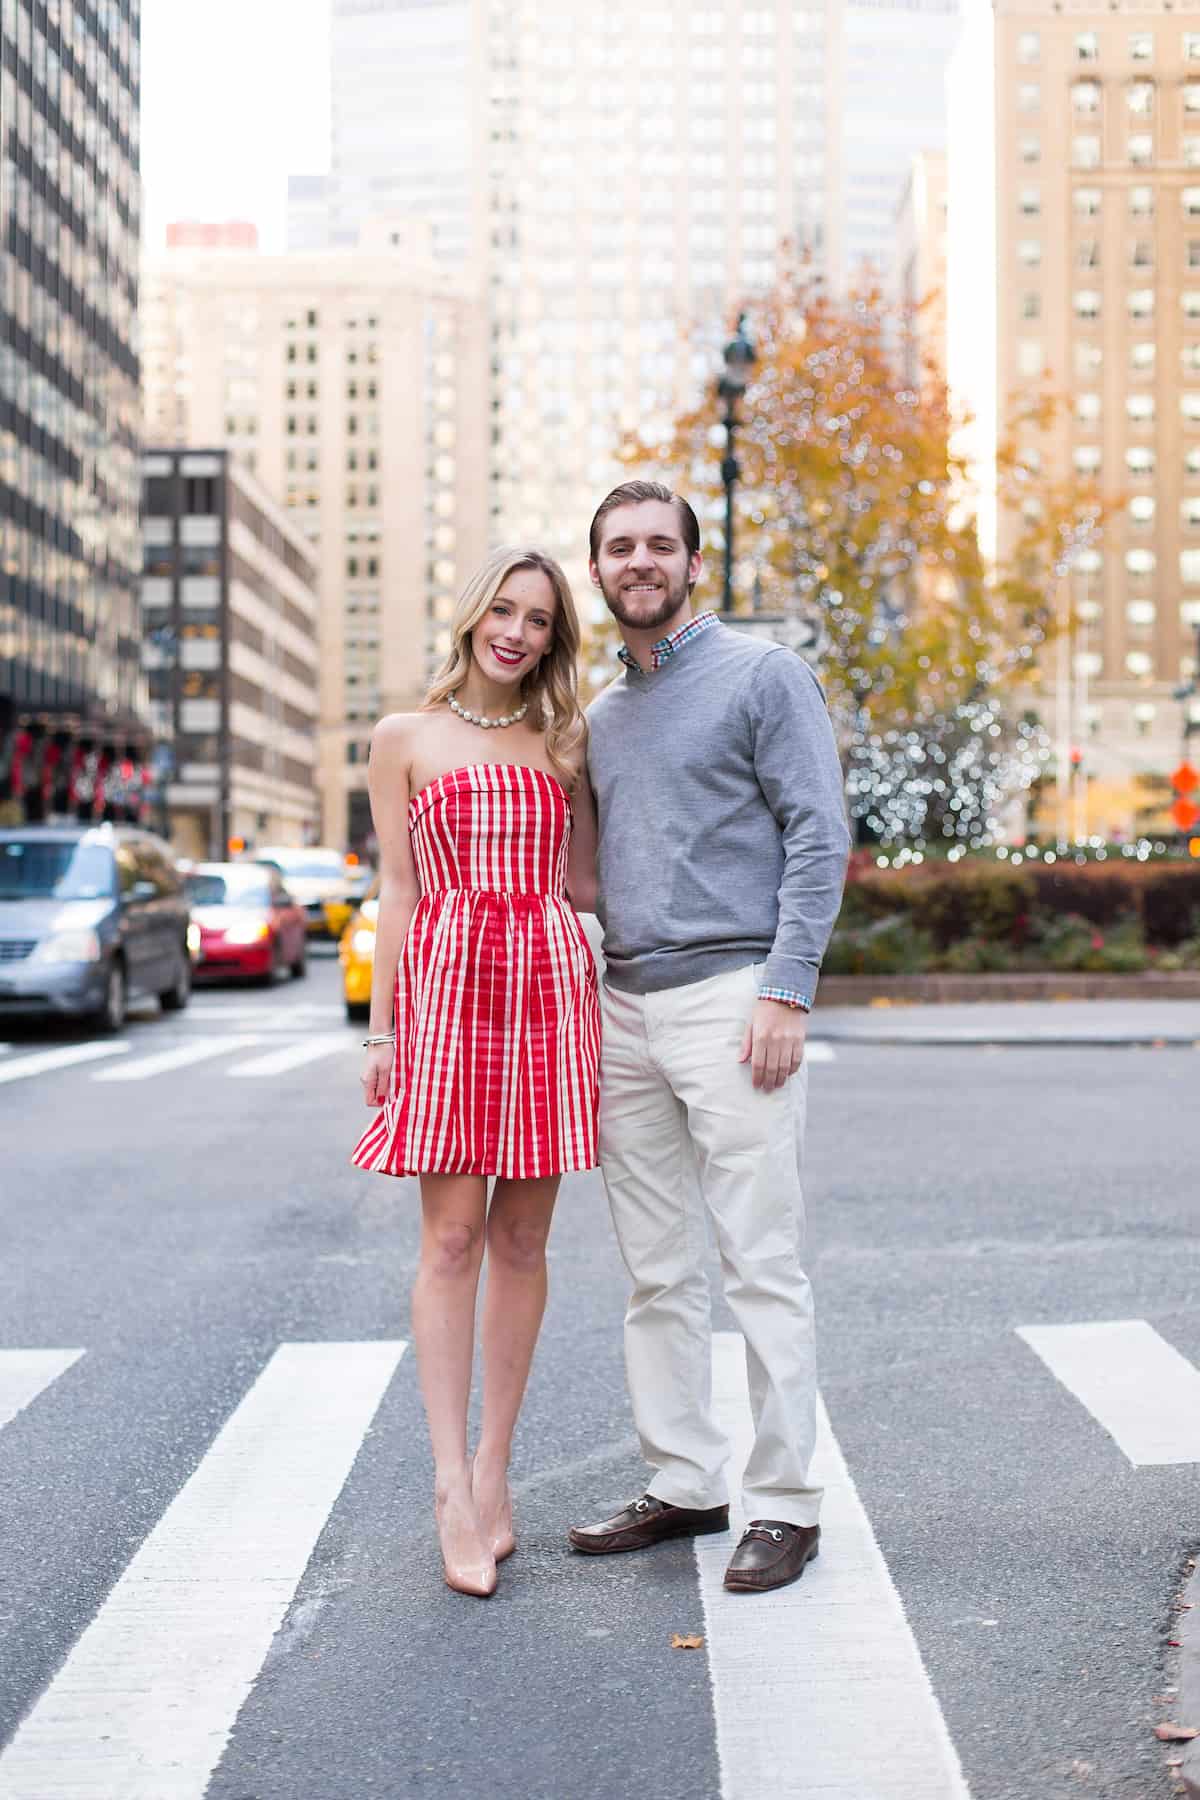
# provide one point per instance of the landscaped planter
(862, 990)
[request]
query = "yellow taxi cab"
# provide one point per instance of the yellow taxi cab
(356, 954)
(340, 908)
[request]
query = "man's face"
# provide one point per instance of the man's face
(642, 565)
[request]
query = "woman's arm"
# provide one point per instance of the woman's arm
(581, 852)
(389, 784)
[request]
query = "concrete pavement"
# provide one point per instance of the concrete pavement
(1034, 1022)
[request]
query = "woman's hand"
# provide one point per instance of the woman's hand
(377, 1074)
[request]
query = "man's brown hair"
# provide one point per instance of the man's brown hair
(633, 493)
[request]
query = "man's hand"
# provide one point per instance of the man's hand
(774, 1043)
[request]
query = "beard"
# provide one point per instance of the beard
(672, 597)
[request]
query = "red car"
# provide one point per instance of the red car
(247, 921)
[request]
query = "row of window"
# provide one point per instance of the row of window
(1140, 460)
(1087, 201)
(1140, 46)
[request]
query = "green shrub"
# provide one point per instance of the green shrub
(884, 947)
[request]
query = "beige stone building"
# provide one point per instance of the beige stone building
(920, 264)
(354, 386)
(1074, 260)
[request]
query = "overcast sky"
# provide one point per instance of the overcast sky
(235, 98)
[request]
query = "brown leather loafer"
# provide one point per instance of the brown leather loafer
(644, 1522)
(771, 1554)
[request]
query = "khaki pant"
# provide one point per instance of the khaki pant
(684, 1133)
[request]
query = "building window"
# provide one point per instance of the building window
(1140, 408)
(1029, 252)
(1189, 566)
(1141, 202)
(1141, 509)
(1031, 306)
(1029, 47)
(1087, 202)
(1189, 356)
(1190, 511)
(1138, 663)
(1141, 46)
(1085, 150)
(1030, 356)
(1087, 253)
(1086, 458)
(1139, 98)
(1141, 357)
(1087, 408)
(1191, 461)
(1139, 459)
(1193, 253)
(1141, 303)
(1089, 360)
(1029, 96)
(1141, 255)
(1030, 201)
(1191, 151)
(1030, 148)
(1085, 96)
(1191, 202)
(1139, 562)
(1140, 612)
(1087, 303)
(1191, 96)
(1191, 303)
(1087, 46)
(1140, 149)
(1189, 407)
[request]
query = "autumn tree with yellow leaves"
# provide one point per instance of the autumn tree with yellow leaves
(854, 512)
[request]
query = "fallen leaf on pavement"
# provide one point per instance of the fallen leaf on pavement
(1176, 1734)
(686, 1643)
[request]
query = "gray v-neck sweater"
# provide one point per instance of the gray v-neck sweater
(723, 836)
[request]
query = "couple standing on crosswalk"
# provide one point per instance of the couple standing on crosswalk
(698, 810)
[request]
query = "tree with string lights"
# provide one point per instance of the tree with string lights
(854, 508)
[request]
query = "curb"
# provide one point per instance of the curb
(1187, 1706)
(1000, 1040)
(943, 989)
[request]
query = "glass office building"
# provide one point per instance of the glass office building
(71, 686)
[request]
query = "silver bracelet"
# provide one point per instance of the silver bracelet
(383, 1037)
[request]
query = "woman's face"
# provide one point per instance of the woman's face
(518, 628)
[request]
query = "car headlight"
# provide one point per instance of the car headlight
(193, 939)
(69, 947)
(248, 934)
(363, 942)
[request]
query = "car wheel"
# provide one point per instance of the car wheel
(176, 998)
(111, 1016)
(357, 1010)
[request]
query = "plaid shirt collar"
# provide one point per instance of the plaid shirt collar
(666, 647)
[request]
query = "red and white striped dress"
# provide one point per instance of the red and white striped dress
(497, 1013)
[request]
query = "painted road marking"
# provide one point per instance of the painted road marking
(168, 1060)
(796, 1673)
(293, 1056)
(43, 1061)
(24, 1373)
(145, 1702)
(1143, 1392)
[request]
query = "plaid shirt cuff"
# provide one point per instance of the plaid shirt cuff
(788, 997)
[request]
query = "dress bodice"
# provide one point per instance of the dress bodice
(493, 827)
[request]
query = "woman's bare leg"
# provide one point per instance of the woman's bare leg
(443, 1318)
(518, 1225)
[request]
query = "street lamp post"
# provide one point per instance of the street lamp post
(739, 359)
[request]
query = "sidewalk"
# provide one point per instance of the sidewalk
(1040, 1022)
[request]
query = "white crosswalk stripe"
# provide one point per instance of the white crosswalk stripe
(25, 1373)
(145, 1702)
(292, 1056)
(1143, 1392)
(43, 1062)
(803, 1661)
(167, 1061)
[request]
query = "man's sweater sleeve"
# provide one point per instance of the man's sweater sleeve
(796, 761)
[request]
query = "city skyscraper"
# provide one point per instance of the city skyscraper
(69, 479)
(1074, 263)
(354, 385)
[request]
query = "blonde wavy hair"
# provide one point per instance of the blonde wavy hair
(552, 688)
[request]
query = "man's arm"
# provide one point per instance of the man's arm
(796, 761)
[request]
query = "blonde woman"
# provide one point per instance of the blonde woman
(483, 1049)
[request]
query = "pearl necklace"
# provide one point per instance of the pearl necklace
(513, 718)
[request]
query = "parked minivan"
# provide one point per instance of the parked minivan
(91, 917)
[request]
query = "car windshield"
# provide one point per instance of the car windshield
(320, 867)
(250, 889)
(42, 869)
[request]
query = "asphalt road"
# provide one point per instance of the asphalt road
(178, 1228)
